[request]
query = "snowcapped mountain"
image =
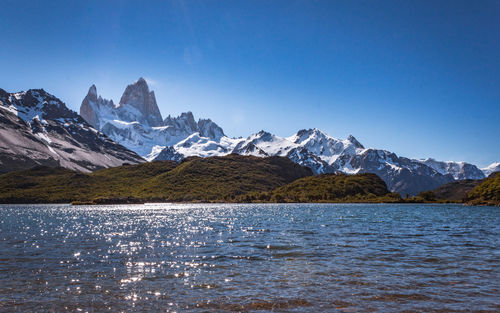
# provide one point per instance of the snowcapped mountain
(136, 122)
(459, 170)
(321, 153)
(492, 168)
(38, 129)
(401, 174)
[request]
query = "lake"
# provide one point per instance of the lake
(250, 257)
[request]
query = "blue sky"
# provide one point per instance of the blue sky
(419, 78)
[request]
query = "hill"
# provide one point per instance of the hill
(195, 179)
(231, 178)
(330, 188)
(455, 191)
(487, 192)
(223, 178)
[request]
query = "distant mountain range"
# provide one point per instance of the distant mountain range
(38, 129)
(137, 124)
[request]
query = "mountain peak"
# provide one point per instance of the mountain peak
(311, 135)
(92, 94)
(263, 134)
(89, 107)
(188, 115)
(310, 131)
(355, 142)
(184, 123)
(141, 81)
(207, 128)
(139, 85)
(138, 96)
(303, 132)
(428, 160)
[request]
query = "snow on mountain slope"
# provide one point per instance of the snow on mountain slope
(136, 122)
(302, 156)
(321, 153)
(38, 129)
(328, 148)
(325, 154)
(459, 170)
(334, 152)
(401, 174)
(194, 145)
(492, 168)
(263, 144)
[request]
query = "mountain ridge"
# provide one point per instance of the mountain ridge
(181, 137)
(38, 129)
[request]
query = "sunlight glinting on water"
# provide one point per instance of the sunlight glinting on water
(230, 257)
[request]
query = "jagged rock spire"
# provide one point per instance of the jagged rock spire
(87, 109)
(92, 107)
(138, 96)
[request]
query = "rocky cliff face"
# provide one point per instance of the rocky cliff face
(139, 104)
(38, 129)
(93, 108)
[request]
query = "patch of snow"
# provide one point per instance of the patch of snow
(155, 151)
(44, 137)
(493, 167)
(459, 170)
(52, 150)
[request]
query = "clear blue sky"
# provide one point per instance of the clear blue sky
(420, 78)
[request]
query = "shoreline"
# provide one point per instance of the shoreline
(222, 202)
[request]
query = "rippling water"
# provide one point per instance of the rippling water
(276, 257)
